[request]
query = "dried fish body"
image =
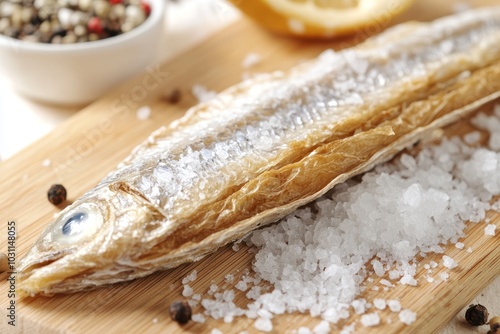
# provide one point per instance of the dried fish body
(264, 147)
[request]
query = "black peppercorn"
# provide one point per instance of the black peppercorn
(56, 194)
(173, 97)
(476, 315)
(180, 312)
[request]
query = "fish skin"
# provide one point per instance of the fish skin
(263, 148)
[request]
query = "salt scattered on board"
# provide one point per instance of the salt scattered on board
(407, 317)
(370, 319)
(251, 60)
(449, 263)
(143, 113)
(490, 229)
(315, 258)
(202, 94)
(198, 317)
(394, 305)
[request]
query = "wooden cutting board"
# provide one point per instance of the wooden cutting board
(92, 142)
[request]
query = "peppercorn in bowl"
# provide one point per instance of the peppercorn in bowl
(72, 51)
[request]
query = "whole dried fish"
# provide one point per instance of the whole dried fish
(263, 148)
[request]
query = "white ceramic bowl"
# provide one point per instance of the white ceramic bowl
(73, 74)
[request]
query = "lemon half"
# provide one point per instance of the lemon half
(322, 18)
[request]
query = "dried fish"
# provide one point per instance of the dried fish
(265, 147)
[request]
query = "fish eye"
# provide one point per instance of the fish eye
(78, 224)
(74, 224)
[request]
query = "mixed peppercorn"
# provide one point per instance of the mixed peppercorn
(70, 21)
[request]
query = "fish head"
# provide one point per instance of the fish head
(90, 235)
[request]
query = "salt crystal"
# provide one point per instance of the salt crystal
(229, 278)
(394, 305)
(379, 303)
(254, 293)
(263, 324)
(490, 229)
(370, 319)
(236, 247)
(215, 331)
(46, 163)
(408, 280)
(472, 137)
(202, 94)
(379, 269)
(407, 316)
(241, 285)
(359, 306)
(394, 274)
(143, 113)
(430, 279)
(251, 59)
(459, 245)
(213, 288)
(427, 266)
(322, 328)
(198, 317)
(444, 276)
(188, 291)
(469, 250)
(375, 288)
(190, 278)
(449, 263)
(193, 303)
(386, 283)
(155, 320)
(304, 330)
(433, 264)
(348, 329)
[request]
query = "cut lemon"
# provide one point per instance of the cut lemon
(322, 18)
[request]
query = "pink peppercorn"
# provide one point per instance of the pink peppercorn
(94, 25)
(146, 7)
(115, 2)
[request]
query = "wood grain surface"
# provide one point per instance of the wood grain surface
(92, 142)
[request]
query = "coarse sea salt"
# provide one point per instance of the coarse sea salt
(379, 303)
(322, 328)
(263, 324)
(143, 113)
(490, 229)
(318, 258)
(370, 319)
(449, 263)
(202, 94)
(394, 305)
(191, 277)
(407, 317)
(251, 60)
(198, 317)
